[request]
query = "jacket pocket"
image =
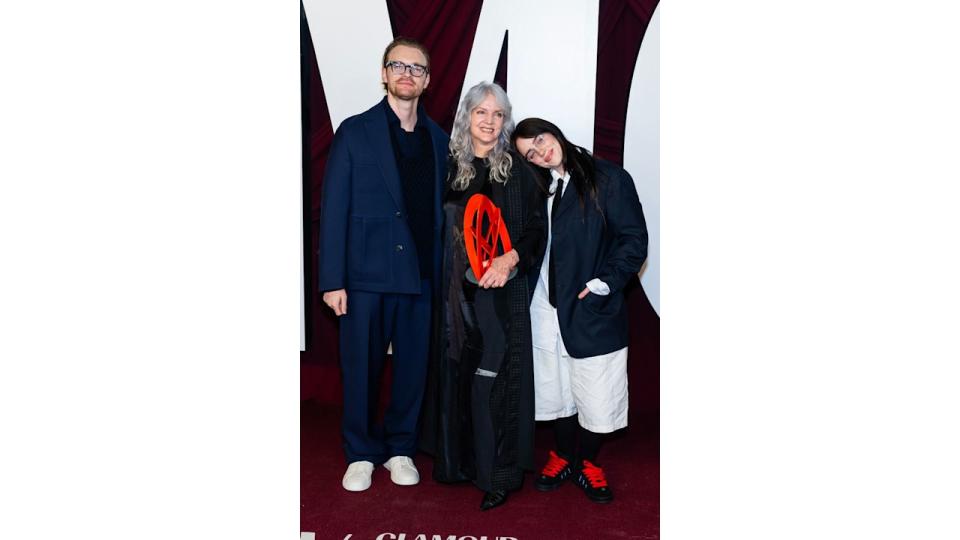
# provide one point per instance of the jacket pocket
(370, 239)
(605, 305)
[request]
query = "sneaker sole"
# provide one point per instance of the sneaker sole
(358, 489)
(404, 483)
(415, 482)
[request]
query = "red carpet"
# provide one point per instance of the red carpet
(447, 512)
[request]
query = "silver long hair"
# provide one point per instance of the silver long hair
(461, 144)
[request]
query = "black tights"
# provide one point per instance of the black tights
(567, 430)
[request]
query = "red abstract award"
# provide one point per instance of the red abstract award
(483, 229)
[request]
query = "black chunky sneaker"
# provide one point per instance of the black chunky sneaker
(554, 473)
(594, 483)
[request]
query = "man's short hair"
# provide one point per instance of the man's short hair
(409, 43)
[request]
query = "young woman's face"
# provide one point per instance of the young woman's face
(544, 150)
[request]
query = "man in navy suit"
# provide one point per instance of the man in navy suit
(379, 258)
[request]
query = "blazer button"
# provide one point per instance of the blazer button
(398, 214)
(399, 247)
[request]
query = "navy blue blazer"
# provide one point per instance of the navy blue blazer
(610, 244)
(365, 241)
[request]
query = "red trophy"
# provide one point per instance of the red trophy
(483, 229)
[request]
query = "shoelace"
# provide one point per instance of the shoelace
(554, 465)
(594, 475)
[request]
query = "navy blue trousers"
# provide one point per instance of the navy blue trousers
(373, 321)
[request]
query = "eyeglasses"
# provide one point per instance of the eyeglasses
(399, 68)
(538, 143)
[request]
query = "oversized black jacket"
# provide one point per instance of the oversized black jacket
(609, 243)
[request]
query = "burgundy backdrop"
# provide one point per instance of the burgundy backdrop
(447, 29)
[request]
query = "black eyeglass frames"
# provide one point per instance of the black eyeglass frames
(399, 68)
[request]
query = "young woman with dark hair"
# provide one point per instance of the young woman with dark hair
(597, 242)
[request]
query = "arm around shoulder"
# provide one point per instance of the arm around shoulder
(531, 245)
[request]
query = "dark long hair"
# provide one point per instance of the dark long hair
(577, 160)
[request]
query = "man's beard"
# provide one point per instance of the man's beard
(404, 92)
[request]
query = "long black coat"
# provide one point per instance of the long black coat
(446, 428)
(609, 243)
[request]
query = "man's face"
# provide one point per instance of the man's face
(404, 85)
(486, 122)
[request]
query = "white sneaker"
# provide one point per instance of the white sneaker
(402, 471)
(357, 477)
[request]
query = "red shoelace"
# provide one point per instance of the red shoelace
(554, 465)
(594, 475)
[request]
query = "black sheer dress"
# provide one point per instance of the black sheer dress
(478, 418)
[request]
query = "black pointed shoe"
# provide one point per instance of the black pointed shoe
(554, 473)
(492, 499)
(594, 483)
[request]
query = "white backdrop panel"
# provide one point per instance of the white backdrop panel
(551, 60)
(349, 59)
(641, 149)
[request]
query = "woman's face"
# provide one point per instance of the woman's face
(486, 122)
(544, 150)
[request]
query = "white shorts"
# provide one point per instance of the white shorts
(595, 388)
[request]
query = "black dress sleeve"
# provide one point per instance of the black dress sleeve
(533, 240)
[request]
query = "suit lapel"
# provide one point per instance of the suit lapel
(379, 136)
(439, 166)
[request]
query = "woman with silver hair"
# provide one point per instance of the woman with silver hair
(478, 418)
